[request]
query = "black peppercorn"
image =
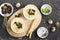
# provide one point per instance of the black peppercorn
(19, 15)
(15, 15)
(6, 9)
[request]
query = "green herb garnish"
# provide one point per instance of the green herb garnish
(31, 12)
(18, 24)
(45, 10)
(45, 34)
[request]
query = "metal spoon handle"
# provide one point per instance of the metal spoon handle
(4, 22)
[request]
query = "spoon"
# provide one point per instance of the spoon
(6, 15)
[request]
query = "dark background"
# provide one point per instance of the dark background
(55, 16)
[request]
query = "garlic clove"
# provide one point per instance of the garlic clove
(57, 24)
(18, 4)
(53, 29)
(50, 21)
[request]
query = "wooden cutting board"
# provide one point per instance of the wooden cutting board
(30, 24)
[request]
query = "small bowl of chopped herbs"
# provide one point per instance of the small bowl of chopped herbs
(46, 9)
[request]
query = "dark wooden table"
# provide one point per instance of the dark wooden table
(55, 16)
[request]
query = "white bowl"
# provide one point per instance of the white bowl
(14, 27)
(25, 11)
(6, 14)
(48, 6)
(41, 31)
